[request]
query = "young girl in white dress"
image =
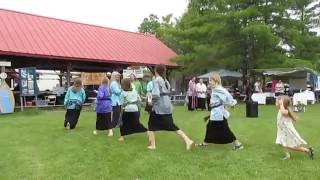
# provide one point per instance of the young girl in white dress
(287, 136)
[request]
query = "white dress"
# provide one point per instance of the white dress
(287, 135)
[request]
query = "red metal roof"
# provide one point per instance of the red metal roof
(29, 35)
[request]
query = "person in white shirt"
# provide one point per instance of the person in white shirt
(201, 89)
(257, 87)
(279, 88)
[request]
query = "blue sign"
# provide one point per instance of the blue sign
(6, 98)
(28, 82)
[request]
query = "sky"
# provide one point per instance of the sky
(119, 14)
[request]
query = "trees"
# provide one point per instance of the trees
(229, 34)
(150, 25)
(245, 34)
(302, 40)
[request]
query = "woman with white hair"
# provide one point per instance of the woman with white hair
(116, 91)
(218, 131)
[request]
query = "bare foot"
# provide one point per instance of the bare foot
(121, 139)
(151, 147)
(68, 126)
(189, 145)
(286, 158)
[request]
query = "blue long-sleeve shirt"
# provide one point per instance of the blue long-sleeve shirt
(149, 87)
(73, 98)
(220, 97)
(115, 90)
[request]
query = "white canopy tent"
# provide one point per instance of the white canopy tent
(223, 73)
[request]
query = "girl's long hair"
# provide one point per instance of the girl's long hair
(126, 84)
(286, 105)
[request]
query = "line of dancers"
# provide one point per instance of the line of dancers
(119, 105)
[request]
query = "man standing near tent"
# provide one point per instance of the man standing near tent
(279, 88)
(258, 87)
(201, 95)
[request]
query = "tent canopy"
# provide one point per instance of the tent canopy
(299, 72)
(223, 73)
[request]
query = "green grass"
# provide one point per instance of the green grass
(33, 145)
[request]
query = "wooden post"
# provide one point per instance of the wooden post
(60, 78)
(69, 66)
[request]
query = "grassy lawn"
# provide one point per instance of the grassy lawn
(34, 145)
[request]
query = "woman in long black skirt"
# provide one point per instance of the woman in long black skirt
(161, 115)
(116, 91)
(218, 131)
(104, 109)
(130, 117)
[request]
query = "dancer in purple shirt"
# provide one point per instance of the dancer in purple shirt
(104, 108)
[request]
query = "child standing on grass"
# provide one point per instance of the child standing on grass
(73, 101)
(104, 108)
(161, 116)
(130, 101)
(287, 136)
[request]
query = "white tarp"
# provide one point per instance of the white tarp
(223, 73)
(318, 84)
(298, 83)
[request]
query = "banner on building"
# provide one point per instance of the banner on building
(92, 78)
(137, 72)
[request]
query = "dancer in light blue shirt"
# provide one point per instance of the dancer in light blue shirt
(218, 131)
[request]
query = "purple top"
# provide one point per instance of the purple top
(192, 88)
(104, 104)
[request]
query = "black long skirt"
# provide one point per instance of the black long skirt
(191, 103)
(131, 124)
(72, 117)
(218, 132)
(116, 110)
(103, 121)
(161, 122)
(201, 103)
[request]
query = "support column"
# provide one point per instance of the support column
(60, 78)
(69, 67)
